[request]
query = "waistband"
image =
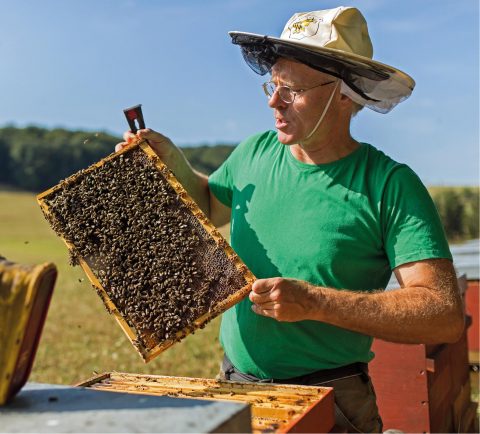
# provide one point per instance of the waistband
(313, 378)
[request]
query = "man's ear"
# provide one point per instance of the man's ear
(345, 103)
(344, 99)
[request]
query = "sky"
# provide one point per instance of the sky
(77, 64)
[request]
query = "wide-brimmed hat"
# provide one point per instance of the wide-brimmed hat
(336, 42)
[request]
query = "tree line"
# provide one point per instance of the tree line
(35, 158)
(459, 211)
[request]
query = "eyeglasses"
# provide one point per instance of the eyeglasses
(286, 94)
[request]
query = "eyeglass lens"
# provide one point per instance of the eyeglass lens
(284, 92)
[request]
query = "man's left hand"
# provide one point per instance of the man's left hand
(282, 299)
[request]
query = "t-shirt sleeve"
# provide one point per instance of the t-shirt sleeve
(412, 228)
(220, 183)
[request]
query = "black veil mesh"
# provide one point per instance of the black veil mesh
(261, 55)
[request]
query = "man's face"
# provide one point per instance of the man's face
(296, 120)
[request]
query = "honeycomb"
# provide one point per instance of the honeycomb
(153, 257)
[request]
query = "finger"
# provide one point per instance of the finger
(269, 305)
(264, 312)
(259, 298)
(128, 136)
(120, 146)
(263, 285)
(149, 134)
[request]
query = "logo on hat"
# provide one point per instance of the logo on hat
(304, 27)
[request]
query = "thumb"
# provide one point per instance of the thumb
(120, 146)
(263, 285)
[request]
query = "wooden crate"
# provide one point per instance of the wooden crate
(25, 293)
(423, 388)
(147, 347)
(274, 407)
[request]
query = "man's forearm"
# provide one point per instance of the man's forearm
(194, 182)
(407, 315)
(427, 309)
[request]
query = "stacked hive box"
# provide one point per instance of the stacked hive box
(424, 388)
(274, 407)
(471, 304)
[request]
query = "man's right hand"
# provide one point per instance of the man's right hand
(161, 144)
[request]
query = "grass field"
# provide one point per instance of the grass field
(80, 337)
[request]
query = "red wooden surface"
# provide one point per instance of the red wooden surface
(423, 388)
(319, 418)
(446, 383)
(399, 375)
(472, 306)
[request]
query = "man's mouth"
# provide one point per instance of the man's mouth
(280, 123)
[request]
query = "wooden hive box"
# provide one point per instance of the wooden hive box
(472, 296)
(25, 293)
(274, 407)
(423, 388)
(158, 264)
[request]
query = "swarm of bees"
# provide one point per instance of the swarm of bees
(153, 258)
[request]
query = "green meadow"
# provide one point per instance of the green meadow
(80, 338)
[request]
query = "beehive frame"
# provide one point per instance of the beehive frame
(277, 408)
(149, 353)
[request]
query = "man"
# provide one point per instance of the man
(322, 220)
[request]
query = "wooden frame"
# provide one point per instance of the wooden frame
(149, 354)
(274, 407)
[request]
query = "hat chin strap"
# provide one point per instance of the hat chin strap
(324, 111)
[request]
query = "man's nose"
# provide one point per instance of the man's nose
(275, 101)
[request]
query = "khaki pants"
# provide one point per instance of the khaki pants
(355, 402)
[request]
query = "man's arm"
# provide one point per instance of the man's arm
(194, 182)
(426, 309)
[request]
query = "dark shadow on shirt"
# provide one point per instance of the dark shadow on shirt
(249, 247)
(251, 250)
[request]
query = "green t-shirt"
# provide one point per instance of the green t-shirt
(343, 225)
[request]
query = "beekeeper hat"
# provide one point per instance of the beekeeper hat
(335, 42)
